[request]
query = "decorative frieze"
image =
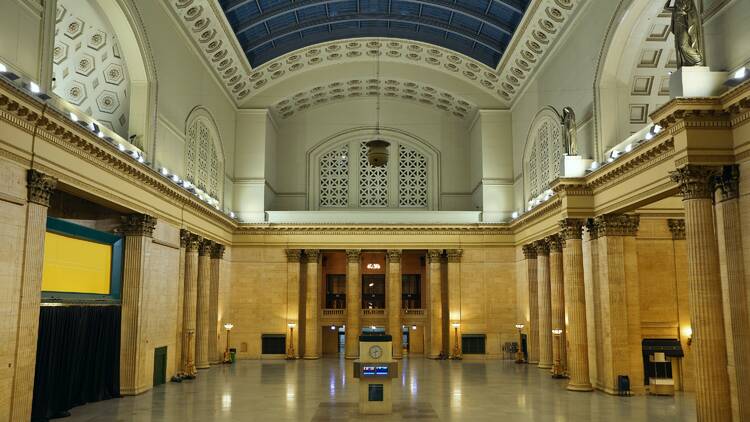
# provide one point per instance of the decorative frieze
(554, 243)
(394, 255)
(138, 225)
(454, 255)
(205, 246)
(571, 228)
(40, 187)
(617, 225)
(529, 251)
(728, 182)
(353, 255)
(695, 182)
(677, 228)
(542, 248)
(217, 251)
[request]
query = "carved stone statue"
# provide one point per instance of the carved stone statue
(570, 131)
(688, 33)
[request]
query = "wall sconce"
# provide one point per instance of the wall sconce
(456, 348)
(290, 351)
(520, 358)
(227, 356)
(413, 327)
(688, 332)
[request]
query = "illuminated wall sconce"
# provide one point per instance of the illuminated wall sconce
(227, 356)
(413, 327)
(373, 266)
(456, 348)
(688, 332)
(520, 358)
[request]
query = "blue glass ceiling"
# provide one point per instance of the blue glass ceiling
(480, 29)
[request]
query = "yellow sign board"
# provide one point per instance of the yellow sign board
(76, 266)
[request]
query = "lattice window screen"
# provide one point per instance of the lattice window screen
(202, 165)
(373, 182)
(412, 178)
(334, 178)
(543, 166)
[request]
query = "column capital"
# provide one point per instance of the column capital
(40, 187)
(695, 182)
(311, 254)
(729, 182)
(353, 255)
(542, 248)
(204, 248)
(138, 225)
(217, 251)
(529, 251)
(677, 227)
(434, 255)
(184, 238)
(192, 243)
(592, 229)
(571, 229)
(394, 255)
(454, 255)
(554, 243)
(617, 225)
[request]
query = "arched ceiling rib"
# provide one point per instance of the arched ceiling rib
(481, 29)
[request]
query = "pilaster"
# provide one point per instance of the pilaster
(557, 294)
(138, 230)
(39, 188)
(192, 243)
(709, 345)
(435, 303)
(353, 303)
(214, 331)
(545, 304)
(203, 305)
(575, 305)
(393, 304)
(454, 301)
(532, 342)
(312, 332)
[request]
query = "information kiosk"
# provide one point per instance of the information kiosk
(375, 369)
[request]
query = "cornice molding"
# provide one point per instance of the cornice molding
(489, 229)
(644, 158)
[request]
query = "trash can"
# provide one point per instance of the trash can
(232, 355)
(623, 385)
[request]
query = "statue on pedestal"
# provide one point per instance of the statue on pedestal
(570, 132)
(688, 33)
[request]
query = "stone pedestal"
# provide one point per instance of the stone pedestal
(40, 188)
(696, 81)
(202, 305)
(545, 305)
(575, 166)
(575, 305)
(435, 304)
(709, 342)
(190, 304)
(312, 303)
(393, 304)
(532, 342)
(216, 355)
(138, 230)
(454, 302)
(557, 295)
(353, 303)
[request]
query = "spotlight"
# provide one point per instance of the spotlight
(658, 129)
(649, 136)
(175, 178)
(629, 147)
(164, 171)
(738, 77)
(100, 134)
(121, 147)
(741, 74)
(514, 215)
(33, 87)
(3, 68)
(141, 159)
(595, 165)
(73, 117)
(333, 328)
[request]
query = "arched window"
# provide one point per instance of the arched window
(341, 176)
(203, 157)
(544, 152)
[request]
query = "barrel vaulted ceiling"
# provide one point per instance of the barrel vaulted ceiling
(264, 51)
(481, 29)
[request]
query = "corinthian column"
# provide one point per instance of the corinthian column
(201, 310)
(184, 236)
(353, 303)
(737, 325)
(40, 188)
(704, 280)
(557, 294)
(532, 343)
(545, 305)
(138, 230)
(575, 305)
(215, 354)
(594, 307)
(393, 305)
(192, 243)
(312, 303)
(454, 301)
(435, 304)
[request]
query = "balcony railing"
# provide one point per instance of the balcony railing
(412, 312)
(373, 312)
(334, 312)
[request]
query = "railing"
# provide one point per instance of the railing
(412, 312)
(334, 312)
(373, 312)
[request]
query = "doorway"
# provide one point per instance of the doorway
(160, 365)
(373, 291)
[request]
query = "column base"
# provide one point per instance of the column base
(545, 366)
(203, 366)
(533, 362)
(579, 387)
(311, 357)
(351, 357)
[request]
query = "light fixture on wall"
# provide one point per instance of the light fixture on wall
(456, 348)
(688, 332)
(227, 355)
(290, 354)
(519, 352)
(377, 149)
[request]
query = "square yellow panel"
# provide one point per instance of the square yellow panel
(76, 266)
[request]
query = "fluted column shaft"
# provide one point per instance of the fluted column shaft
(138, 229)
(40, 188)
(532, 342)
(435, 304)
(202, 306)
(557, 294)
(575, 306)
(393, 305)
(312, 305)
(454, 301)
(353, 303)
(737, 326)
(190, 304)
(184, 236)
(709, 342)
(214, 346)
(594, 323)
(545, 305)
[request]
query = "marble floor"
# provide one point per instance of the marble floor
(426, 391)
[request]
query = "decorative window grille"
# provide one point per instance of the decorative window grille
(412, 178)
(334, 178)
(202, 165)
(373, 182)
(543, 165)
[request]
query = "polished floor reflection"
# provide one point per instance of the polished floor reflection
(426, 391)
